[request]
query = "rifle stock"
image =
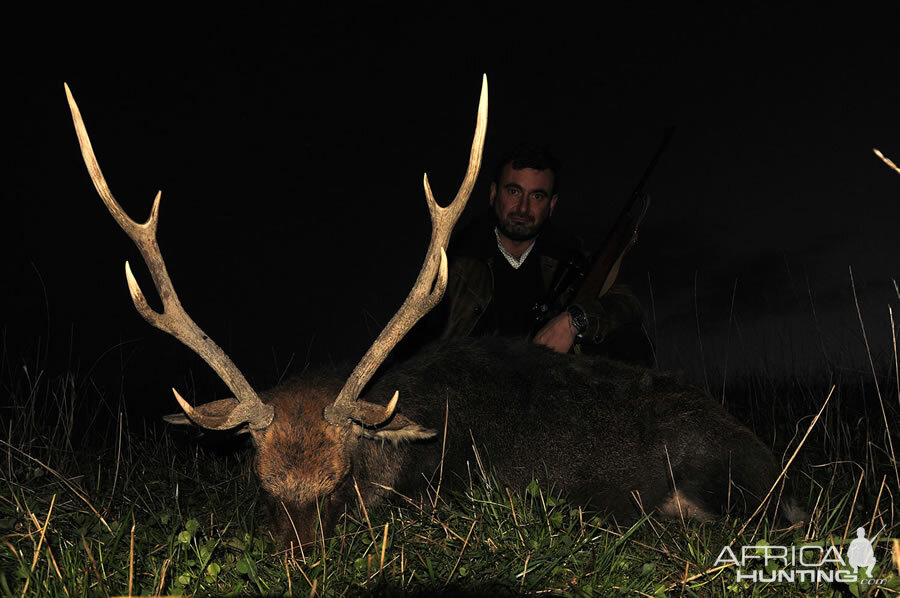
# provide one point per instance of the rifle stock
(586, 279)
(605, 266)
(621, 239)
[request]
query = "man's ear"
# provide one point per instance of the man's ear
(493, 193)
(553, 203)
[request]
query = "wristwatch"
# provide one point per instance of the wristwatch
(579, 319)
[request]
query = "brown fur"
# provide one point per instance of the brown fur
(302, 461)
(600, 430)
(297, 436)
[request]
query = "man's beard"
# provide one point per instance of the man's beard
(524, 229)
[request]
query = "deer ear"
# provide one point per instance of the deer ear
(177, 419)
(400, 429)
(180, 419)
(216, 415)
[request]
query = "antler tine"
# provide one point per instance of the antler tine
(173, 319)
(430, 284)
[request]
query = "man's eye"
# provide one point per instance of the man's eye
(538, 196)
(512, 191)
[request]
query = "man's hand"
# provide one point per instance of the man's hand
(558, 334)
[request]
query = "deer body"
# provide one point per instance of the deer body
(604, 432)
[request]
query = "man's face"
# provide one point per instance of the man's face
(522, 201)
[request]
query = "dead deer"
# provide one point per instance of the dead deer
(620, 438)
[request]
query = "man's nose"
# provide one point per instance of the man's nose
(523, 204)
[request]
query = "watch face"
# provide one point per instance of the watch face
(579, 320)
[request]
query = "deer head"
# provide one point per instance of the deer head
(323, 426)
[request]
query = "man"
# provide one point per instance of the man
(503, 264)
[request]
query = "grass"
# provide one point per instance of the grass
(92, 504)
(155, 512)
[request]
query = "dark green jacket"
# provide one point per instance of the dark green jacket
(471, 283)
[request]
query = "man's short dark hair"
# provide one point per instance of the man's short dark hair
(531, 156)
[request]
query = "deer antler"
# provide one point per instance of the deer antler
(219, 415)
(427, 290)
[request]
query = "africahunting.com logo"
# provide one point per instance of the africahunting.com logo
(810, 563)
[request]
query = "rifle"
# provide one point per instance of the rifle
(592, 277)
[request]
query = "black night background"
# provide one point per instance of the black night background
(290, 154)
(289, 147)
